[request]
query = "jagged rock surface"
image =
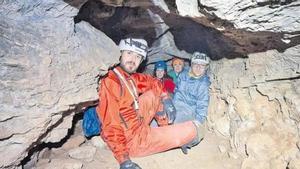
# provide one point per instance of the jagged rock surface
(258, 108)
(164, 48)
(161, 4)
(49, 69)
(170, 34)
(188, 8)
(258, 15)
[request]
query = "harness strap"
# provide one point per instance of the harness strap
(132, 91)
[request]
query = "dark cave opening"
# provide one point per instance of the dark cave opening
(36, 152)
(190, 34)
(40, 149)
(117, 22)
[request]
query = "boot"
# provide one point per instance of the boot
(199, 136)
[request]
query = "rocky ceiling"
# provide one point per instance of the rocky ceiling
(210, 34)
(49, 69)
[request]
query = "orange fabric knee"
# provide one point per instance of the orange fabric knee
(160, 139)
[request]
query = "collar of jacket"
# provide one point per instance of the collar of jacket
(123, 72)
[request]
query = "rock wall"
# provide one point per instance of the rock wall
(188, 8)
(255, 102)
(49, 68)
(48, 71)
(257, 15)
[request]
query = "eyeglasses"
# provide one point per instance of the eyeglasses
(198, 66)
(136, 44)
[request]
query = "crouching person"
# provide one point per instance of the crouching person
(128, 101)
(192, 92)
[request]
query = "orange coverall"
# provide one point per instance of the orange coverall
(126, 130)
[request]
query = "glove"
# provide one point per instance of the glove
(128, 164)
(170, 110)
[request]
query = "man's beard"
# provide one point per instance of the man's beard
(129, 67)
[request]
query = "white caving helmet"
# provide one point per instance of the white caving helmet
(200, 58)
(139, 46)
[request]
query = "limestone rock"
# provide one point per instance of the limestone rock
(293, 101)
(222, 148)
(257, 15)
(262, 146)
(62, 163)
(188, 8)
(83, 153)
(233, 155)
(261, 101)
(74, 142)
(42, 162)
(272, 65)
(49, 67)
(294, 164)
(60, 131)
(164, 48)
(113, 2)
(162, 4)
(98, 142)
(278, 163)
(252, 163)
(222, 126)
(211, 35)
(45, 154)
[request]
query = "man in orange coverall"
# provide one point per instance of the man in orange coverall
(128, 101)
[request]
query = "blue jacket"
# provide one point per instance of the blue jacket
(193, 94)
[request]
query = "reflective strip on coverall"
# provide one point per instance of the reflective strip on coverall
(126, 131)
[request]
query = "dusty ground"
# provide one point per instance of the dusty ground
(206, 155)
(212, 153)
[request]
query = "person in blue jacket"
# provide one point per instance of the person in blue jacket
(191, 96)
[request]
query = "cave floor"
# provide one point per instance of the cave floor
(212, 153)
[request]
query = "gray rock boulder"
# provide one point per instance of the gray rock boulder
(257, 15)
(49, 68)
(261, 102)
(85, 153)
(188, 8)
(61, 163)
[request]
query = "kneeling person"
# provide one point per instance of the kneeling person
(192, 90)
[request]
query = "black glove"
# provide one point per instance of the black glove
(128, 164)
(170, 110)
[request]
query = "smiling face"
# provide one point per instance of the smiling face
(160, 73)
(130, 61)
(178, 67)
(198, 69)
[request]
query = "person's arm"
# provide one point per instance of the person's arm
(169, 85)
(178, 92)
(146, 82)
(108, 110)
(202, 102)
